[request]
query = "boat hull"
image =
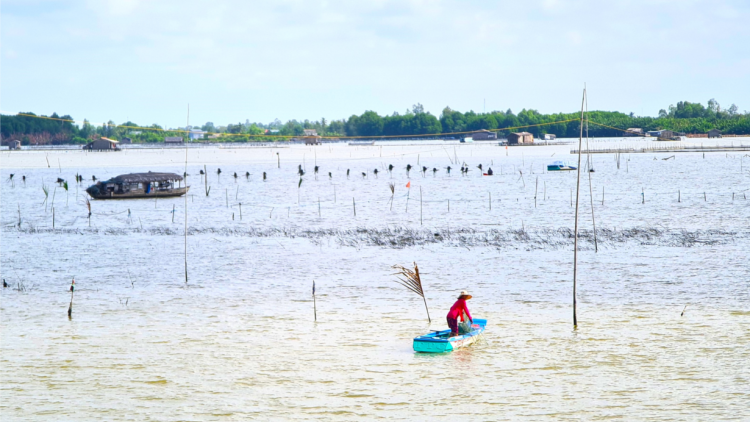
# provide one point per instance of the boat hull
(560, 168)
(140, 194)
(439, 342)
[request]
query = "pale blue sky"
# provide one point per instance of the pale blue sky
(236, 60)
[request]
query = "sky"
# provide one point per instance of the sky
(146, 61)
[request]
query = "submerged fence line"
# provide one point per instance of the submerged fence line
(400, 237)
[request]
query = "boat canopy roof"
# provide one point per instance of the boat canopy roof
(149, 177)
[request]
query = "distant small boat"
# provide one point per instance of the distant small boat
(440, 341)
(138, 185)
(560, 166)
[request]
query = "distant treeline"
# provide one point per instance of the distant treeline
(684, 117)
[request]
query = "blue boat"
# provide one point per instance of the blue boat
(560, 166)
(440, 341)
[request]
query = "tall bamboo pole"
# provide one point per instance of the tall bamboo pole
(578, 194)
(186, 201)
(590, 167)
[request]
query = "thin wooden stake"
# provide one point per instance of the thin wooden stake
(354, 206)
(315, 303)
(240, 210)
(70, 307)
(420, 205)
(205, 178)
(173, 213)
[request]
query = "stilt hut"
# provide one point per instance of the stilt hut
(103, 144)
(520, 138)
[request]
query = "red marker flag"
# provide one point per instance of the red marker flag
(408, 185)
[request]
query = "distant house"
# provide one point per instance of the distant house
(173, 140)
(14, 145)
(272, 131)
(714, 133)
(549, 137)
(653, 133)
(312, 140)
(520, 138)
(126, 140)
(103, 144)
(483, 135)
(311, 132)
(196, 134)
(634, 131)
(666, 134)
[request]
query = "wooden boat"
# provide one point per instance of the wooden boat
(440, 341)
(560, 166)
(139, 185)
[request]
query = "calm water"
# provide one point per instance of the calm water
(239, 342)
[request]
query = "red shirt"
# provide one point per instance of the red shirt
(458, 309)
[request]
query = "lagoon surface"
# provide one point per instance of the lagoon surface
(238, 340)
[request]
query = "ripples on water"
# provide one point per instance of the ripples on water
(239, 341)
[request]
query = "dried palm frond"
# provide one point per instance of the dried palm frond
(411, 280)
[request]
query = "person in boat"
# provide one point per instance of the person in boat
(490, 172)
(459, 309)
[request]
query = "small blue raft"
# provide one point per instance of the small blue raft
(439, 341)
(560, 166)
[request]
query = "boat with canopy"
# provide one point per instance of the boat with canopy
(139, 185)
(560, 166)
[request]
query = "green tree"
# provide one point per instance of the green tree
(369, 124)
